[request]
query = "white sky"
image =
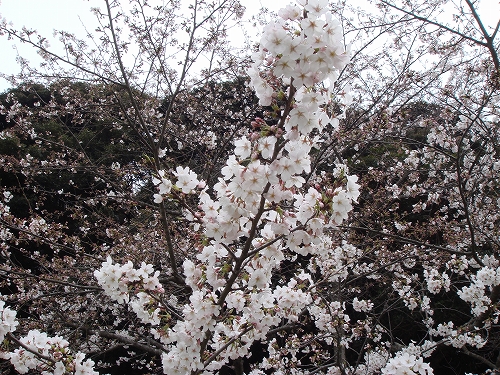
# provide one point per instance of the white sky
(68, 15)
(71, 15)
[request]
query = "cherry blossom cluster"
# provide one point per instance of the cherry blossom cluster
(121, 281)
(458, 337)
(406, 364)
(263, 205)
(361, 305)
(436, 281)
(476, 293)
(264, 198)
(302, 50)
(38, 348)
(8, 322)
(187, 180)
(43, 353)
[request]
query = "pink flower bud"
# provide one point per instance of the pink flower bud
(254, 136)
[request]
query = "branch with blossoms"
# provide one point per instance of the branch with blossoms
(38, 351)
(261, 211)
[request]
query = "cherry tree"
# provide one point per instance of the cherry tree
(217, 296)
(424, 143)
(183, 226)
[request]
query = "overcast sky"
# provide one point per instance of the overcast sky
(72, 15)
(69, 15)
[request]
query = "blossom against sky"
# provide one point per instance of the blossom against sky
(75, 16)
